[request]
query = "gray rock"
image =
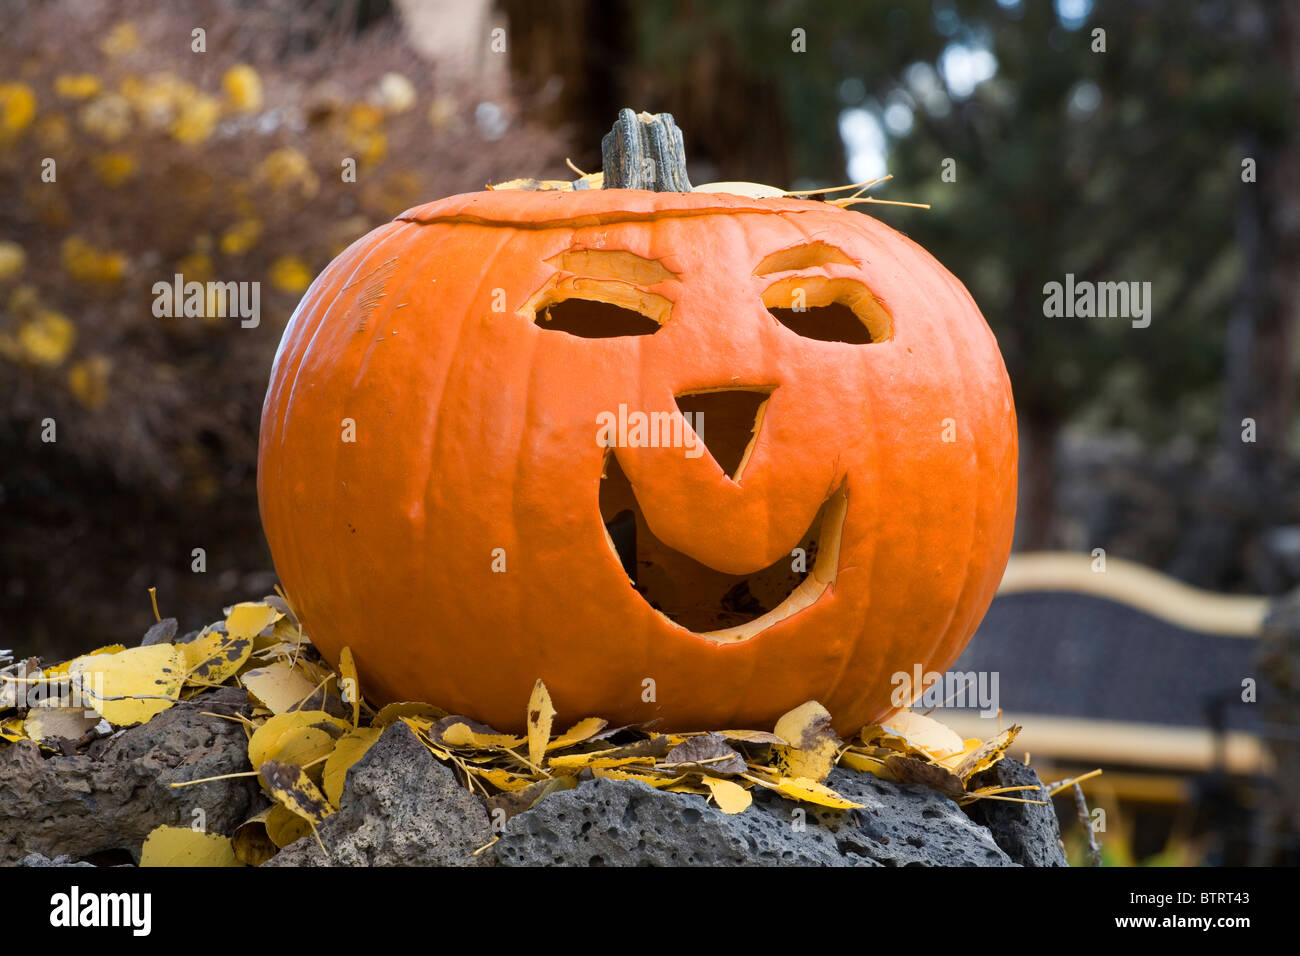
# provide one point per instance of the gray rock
(39, 859)
(609, 823)
(114, 794)
(1029, 833)
(400, 807)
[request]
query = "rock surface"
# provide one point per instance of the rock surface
(400, 807)
(1029, 833)
(110, 797)
(607, 823)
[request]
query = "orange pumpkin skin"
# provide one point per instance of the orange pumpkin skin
(474, 430)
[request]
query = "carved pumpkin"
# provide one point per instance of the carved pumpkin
(439, 494)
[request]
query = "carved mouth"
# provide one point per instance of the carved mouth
(725, 608)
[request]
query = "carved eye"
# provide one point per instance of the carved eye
(829, 310)
(826, 323)
(594, 319)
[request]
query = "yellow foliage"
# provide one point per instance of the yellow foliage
(183, 846)
(197, 119)
(85, 263)
(46, 338)
(196, 267)
(12, 260)
(290, 274)
(76, 86)
(114, 168)
(54, 131)
(88, 380)
(17, 109)
(287, 168)
(133, 685)
(243, 88)
(120, 40)
(241, 237)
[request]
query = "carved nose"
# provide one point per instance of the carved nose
(728, 422)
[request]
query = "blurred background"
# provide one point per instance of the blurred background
(1164, 149)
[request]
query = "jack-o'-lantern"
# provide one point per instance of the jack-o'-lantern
(692, 456)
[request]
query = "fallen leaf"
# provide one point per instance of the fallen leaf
(47, 724)
(808, 791)
(581, 731)
(707, 753)
(349, 686)
(390, 713)
(986, 755)
(540, 716)
(349, 748)
(921, 732)
(130, 686)
(278, 687)
(291, 786)
(283, 826)
(813, 746)
(525, 798)
(299, 738)
(245, 621)
(251, 841)
(213, 657)
(730, 797)
(183, 846)
(906, 769)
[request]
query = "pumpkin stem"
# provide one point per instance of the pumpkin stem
(644, 151)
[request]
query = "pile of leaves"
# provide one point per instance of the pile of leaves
(309, 724)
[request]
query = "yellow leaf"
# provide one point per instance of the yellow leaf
(753, 737)
(986, 755)
(291, 786)
(290, 274)
(249, 619)
(923, 733)
(88, 380)
(131, 686)
(391, 713)
(729, 796)
(297, 738)
(251, 841)
(863, 763)
(47, 337)
(501, 779)
(807, 791)
(463, 735)
(243, 88)
(650, 779)
(212, 657)
(813, 744)
(11, 729)
(349, 686)
(278, 687)
(595, 760)
(582, 730)
(540, 716)
(350, 748)
(283, 826)
(44, 724)
(182, 846)
(57, 669)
